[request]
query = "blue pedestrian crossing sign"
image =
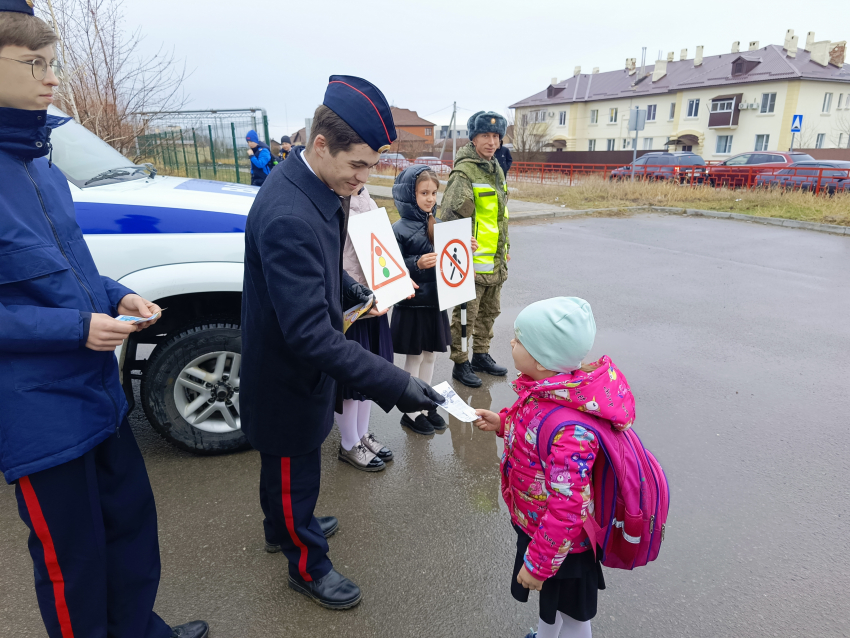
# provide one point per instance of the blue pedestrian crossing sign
(797, 124)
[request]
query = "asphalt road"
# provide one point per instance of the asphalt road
(734, 339)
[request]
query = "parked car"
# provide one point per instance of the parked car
(742, 169)
(393, 160)
(680, 166)
(826, 175)
(437, 165)
(179, 242)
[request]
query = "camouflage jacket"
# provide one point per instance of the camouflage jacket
(458, 202)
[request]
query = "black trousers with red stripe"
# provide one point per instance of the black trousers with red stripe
(289, 489)
(94, 545)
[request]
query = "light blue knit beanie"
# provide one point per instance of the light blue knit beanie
(557, 332)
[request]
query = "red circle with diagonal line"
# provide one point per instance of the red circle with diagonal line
(446, 258)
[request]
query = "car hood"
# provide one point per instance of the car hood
(164, 204)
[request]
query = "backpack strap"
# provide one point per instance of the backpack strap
(546, 432)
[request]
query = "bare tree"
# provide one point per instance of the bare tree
(530, 134)
(108, 79)
(841, 134)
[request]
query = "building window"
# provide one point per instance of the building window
(594, 116)
(840, 140)
(427, 131)
(525, 119)
(738, 68)
(722, 106)
(562, 118)
(650, 113)
(821, 138)
(612, 115)
(840, 100)
(612, 145)
(672, 110)
(627, 143)
(761, 142)
(724, 144)
(827, 103)
(591, 145)
(768, 102)
(693, 108)
(647, 143)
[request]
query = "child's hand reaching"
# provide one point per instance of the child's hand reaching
(488, 421)
(528, 581)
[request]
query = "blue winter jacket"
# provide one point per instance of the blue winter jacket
(58, 399)
(260, 160)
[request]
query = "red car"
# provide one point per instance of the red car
(741, 170)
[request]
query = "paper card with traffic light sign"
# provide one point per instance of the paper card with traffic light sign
(455, 274)
(380, 257)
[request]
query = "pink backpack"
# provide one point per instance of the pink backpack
(630, 491)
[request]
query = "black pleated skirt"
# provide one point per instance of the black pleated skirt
(415, 330)
(374, 335)
(573, 590)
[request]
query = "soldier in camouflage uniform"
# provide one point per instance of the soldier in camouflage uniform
(477, 189)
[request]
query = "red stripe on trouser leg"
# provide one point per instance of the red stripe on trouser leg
(39, 526)
(286, 492)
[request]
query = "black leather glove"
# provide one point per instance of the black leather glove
(355, 294)
(418, 395)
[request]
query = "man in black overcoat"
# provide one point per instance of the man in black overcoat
(294, 353)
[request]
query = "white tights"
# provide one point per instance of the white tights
(353, 422)
(422, 366)
(564, 627)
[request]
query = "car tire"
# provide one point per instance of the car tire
(181, 374)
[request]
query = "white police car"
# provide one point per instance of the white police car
(178, 242)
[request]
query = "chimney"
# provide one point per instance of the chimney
(660, 70)
(670, 56)
(754, 45)
(596, 69)
(698, 56)
(788, 35)
(576, 71)
(810, 40)
(554, 81)
(837, 52)
(736, 46)
(630, 65)
(683, 55)
(791, 47)
(820, 52)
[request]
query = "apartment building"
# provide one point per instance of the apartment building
(715, 106)
(409, 121)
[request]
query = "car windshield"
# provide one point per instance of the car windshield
(82, 156)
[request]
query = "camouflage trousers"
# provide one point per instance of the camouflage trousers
(481, 314)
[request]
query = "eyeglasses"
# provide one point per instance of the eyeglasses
(39, 67)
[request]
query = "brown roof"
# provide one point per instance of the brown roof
(715, 70)
(406, 117)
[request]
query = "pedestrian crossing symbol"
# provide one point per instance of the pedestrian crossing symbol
(797, 124)
(385, 269)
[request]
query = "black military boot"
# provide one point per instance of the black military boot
(483, 362)
(329, 525)
(463, 373)
(194, 629)
(332, 591)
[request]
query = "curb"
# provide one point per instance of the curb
(771, 221)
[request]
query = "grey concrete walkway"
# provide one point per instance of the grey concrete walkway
(514, 205)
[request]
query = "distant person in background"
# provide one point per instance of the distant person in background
(261, 158)
(285, 147)
(503, 156)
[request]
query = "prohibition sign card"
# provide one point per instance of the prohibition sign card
(455, 274)
(380, 257)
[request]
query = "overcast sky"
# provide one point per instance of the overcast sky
(425, 54)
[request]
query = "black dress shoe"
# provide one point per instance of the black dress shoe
(194, 629)
(329, 525)
(436, 420)
(483, 362)
(463, 373)
(420, 424)
(333, 590)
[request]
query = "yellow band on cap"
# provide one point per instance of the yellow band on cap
(385, 147)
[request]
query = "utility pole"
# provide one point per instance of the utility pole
(451, 133)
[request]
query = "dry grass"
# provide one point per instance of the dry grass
(599, 193)
(387, 202)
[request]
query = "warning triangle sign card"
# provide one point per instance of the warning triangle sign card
(380, 257)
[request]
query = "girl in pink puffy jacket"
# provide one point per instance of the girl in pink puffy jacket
(548, 485)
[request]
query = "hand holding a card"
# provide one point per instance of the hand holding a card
(488, 421)
(135, 306)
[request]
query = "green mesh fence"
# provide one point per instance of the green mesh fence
(203, 144)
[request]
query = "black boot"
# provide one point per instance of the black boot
(463, 373)
(436, 420)
(483, 362)
(420, 424)
(333, 590)
(194, 629)
(329, 525)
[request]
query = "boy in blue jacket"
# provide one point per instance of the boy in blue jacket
(261, 158)
(65, 444)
